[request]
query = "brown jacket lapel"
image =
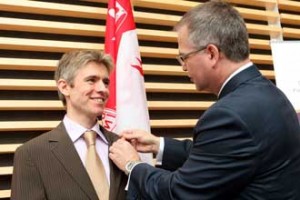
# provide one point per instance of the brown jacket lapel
(64, 150)
(118, 179)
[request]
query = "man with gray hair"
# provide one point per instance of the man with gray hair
(71, 161)
(245, 146)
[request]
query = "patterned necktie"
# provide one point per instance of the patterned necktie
(95, 167)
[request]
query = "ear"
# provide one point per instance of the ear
(63, 87)
(214, 52)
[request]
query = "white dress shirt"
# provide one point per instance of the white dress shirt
(76, 131)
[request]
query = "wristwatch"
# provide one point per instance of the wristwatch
(130, 165)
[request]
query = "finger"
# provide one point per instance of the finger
(115, 147)
(111, 149)
(118, 142)
(125, 132)
(111, 156)
(132, 135)
(133, 143)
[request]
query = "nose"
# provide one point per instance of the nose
(184, 68)
(101, 86)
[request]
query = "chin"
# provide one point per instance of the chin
(98, 112)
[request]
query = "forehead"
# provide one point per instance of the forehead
(93, 69)
(183, 38)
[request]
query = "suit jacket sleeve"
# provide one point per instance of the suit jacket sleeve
(174, 147)
(221, 160)
(26, 182)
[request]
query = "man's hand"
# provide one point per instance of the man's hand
(142, 141)
(121, 152)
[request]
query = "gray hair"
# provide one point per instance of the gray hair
(217, 23)
(72, 61)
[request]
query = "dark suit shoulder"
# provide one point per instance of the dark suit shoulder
(38, 143)
(111, 136)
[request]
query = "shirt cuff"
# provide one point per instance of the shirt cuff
(159, 156)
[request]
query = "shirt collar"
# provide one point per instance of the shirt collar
(75, 130)
(235, 73)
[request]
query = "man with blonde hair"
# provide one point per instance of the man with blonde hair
(71, 161)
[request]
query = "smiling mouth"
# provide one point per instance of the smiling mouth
(99, 100)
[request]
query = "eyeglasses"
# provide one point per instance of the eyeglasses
(183, 57)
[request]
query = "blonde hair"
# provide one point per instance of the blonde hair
(72, 61)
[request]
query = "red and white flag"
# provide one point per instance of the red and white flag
(127, 104)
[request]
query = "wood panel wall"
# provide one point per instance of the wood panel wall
(34, 35)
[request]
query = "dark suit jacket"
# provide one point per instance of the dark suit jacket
(49, 167)
(246, 146)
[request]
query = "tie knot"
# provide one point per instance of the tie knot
(89, 137)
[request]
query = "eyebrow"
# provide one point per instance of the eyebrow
(91, 76)
(96, 77)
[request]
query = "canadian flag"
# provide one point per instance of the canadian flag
(127, 104)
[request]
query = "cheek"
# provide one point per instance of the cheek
(87, 89)
(192, 69)
(80, 94)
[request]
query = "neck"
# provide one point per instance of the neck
(225, 69)
(84, 121)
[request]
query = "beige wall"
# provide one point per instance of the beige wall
(35, 34)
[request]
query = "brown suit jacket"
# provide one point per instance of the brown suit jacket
(49, 167)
